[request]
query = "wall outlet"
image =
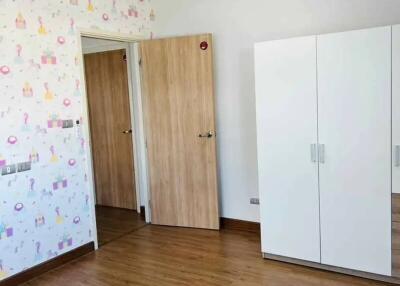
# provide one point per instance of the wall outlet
(67, 123)
(24, 166)
(9, 169)
(254, 201)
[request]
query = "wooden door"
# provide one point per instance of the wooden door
(287, 140)
(110, 126)
(354, 113)
(396, 109)
(177, 76)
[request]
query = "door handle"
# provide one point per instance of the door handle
(313, 152)
(209, 134)
(397, 156)
(127, 131)
(321, 153)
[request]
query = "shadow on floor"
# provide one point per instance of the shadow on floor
(113, 223)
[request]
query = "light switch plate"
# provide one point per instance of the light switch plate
(67, 123)
(254, 201)
(24, 166)
(9, 169)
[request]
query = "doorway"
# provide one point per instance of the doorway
(173, 131)
(109, 98)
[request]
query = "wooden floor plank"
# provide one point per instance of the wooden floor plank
(134, 253)
(164, 256)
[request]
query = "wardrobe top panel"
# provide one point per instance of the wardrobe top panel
(319, 35)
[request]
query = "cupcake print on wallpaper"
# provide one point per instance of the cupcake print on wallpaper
(45, 211)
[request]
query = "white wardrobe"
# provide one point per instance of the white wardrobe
(327, 112)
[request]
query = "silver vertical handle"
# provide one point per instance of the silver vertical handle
(397, 156)
(321, 153)
(313, 152)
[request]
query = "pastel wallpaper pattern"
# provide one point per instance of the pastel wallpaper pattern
(46, 211)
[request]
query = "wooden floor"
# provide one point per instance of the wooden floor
(112, 223)
(157, 255)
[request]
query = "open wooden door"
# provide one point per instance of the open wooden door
(177, 76)
(110, 125)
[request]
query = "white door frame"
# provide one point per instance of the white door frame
(137, 118)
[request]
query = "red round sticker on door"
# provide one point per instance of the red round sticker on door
(203, 45)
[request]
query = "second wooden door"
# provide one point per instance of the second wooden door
(110, 124)
(177, 75)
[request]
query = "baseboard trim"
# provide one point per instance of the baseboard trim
(241, 225)
(361, 274)
(44, 267)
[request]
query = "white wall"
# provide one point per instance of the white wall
(236, 25)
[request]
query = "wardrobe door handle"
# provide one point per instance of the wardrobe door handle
(321, 153)
(313, 152)
(397, 156)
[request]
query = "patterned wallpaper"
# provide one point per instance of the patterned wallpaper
(46, 211)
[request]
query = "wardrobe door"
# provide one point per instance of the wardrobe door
(395, 149)
(286, 129)
(354, 113)
(396, 109)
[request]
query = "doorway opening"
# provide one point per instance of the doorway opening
(170, 128)
(109, 92)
